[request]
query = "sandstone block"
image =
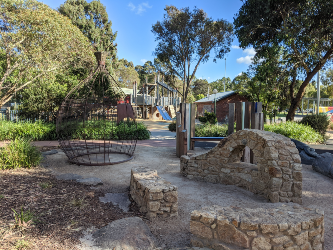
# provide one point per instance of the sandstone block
(301, 238)
(155, 196)
(275, 184)
(269, 228)
(153, 205)
(261, 243)
(280, 240)
(315, 231)
(171, 196)
(306, 246)
(200, 230)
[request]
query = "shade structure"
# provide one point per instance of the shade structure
(95, 122)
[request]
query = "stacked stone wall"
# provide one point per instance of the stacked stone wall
(231, 228)
(154, 195)
(277, 174)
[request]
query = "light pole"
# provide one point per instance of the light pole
(225, 69)
(215, 92)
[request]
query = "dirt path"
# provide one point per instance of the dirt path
(174, 232)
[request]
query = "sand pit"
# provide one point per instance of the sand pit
(193, 195)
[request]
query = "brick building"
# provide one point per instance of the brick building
(222, 104)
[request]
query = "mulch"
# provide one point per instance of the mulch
(62, 209)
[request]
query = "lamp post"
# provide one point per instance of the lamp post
(215, 92)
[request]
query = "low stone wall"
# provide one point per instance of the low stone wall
(154, 195)
(231, 228)
(277, 174)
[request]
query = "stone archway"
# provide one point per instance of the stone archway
(277, 174)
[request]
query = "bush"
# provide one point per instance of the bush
(41, 131)
(172, 127)
(317, 122)
(296, 131)
(19, 154)
(208, 117)
(211, 130)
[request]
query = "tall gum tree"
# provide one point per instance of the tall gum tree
(304, 28)
(186, 38)
(37, 42)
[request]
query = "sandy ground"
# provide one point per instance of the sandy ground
(174, 232)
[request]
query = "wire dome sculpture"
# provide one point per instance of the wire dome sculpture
(95, 125)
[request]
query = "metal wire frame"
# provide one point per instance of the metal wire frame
(87, 127)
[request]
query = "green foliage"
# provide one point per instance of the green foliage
(219, 85)
(200, 96)
(37, 42)
(318, 122)
(201, 87)
(296, 131)
(126, 73)
(209, 117)
(211, 130)
(172, 126)
(19, 153)
(186, 38)
(22, 244)
(92, 19)
(36, 131)
(45, 185)
(288, 24)
(40, 131)
(23, 218)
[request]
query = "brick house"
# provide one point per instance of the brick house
(222, 104)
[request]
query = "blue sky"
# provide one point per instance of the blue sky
(133, 21)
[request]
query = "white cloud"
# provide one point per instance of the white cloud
(142, 7)
(143, 61)
(132, 6)
(241, 73)
(235, 47)
(249, 51)
(246, 59)
(208, 78)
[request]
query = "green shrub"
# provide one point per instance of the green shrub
(208, 117)
(172, 126)
(211, 130)
(40, 131)
(296, 131)
(19, 153)
(317, 122)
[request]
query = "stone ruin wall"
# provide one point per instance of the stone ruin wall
(234, 228)
(154, 195)
(277, 174)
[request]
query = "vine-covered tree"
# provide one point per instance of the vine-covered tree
(303, 28)
(186, 39)
(37, 42)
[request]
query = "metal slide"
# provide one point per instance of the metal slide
(164, 113)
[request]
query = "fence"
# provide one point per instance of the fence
(14, 115)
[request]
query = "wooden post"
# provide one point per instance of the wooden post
(147, 113)
(247, 118)
(261, 121)
(183, 142)
(257, 119)
(188, 123)
(192, 131)
(182, 112)
(8, 113)
(239, 109)
(231, 118)
(253, 120)
(178, 129)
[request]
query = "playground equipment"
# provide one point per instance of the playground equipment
(246, 114)
(161, 105)
(93, 119)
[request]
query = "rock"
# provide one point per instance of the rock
(306, 153)
(91, 181)
(68, 177)
(51, 152)
(323, 164)
(125, 234)
(120, 199)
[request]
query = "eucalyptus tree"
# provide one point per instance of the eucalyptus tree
(186, 39)
(303, 28)
(37, 42)
(92, 19)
